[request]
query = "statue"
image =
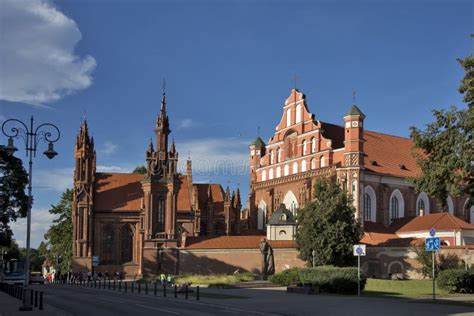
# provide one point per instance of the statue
(268, 263)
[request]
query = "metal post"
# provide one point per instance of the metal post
(155, 289)
(433, 264)
(358, 275)
(41, 301)
(31, 297)
(36, 298)
(120, 286)
(186, 292)
(197, 293)
(125, 284)
(133, 283)
(175, 290)
(139, 287)
(164, 290)
(114, 285)
(146, 287)
(109, 284)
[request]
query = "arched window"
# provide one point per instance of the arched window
(282, 233)
(313, 145)
(394, 208)
(295, 167)
(272, 157)
(264, 175)
(288, 117)
(290, 201)
(322, 162)
(367, 210)
(450, 205)
(107, 244)
(303, 166)
(278, 173)
(262, 215)
(270, 174)
(305, 150)
(468, 212)
(298, 113)
(278, 154)
(286, 170)
(369, 203)
(313, 163)
(126, 236)
(422, 203)
(397, 205)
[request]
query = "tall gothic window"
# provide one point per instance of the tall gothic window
(305, 150)
(313, 145)
(367, 210)
(161, 215)
(313, 163)
(288, 117)
(126, 235)
(394, 209)
(272, 157)
(107, 244)
(278, 154)
(420, 206)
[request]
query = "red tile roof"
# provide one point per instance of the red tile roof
(438, 221)
(217, 194)
(390, 153)
(184, 200)
(118, 191)
(234, 242)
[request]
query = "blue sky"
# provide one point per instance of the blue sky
(228, 67)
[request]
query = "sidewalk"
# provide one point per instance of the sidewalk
(9, 307)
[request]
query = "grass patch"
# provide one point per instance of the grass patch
(215, 279)
(402, 288)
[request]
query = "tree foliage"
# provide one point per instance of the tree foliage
(328, 226)
(446, 147)
(13, 200)
(59, 235)
(140, 169)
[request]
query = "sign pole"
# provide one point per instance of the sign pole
(433, 264)
(358, 275)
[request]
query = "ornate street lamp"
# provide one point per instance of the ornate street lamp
(46, 132)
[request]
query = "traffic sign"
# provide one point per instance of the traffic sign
(432, 244)
(432, 232)
(95, 261)
(359, 250)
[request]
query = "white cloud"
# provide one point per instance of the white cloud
(57, 180)
(37, 60)
(41, 219)
(123, 169)
(215, 156)
(108, 148)
(185, 123)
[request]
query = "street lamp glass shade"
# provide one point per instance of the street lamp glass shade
(10, 148)
(50, 152)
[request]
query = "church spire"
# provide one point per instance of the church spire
(162, 130)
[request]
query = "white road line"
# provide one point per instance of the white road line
(158, 309)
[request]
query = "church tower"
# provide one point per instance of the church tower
(160, 186)
(354, 154)
(82, 208)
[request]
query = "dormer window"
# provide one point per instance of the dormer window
(374, 163)
(283, 217)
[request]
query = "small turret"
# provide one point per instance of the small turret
(257, 151)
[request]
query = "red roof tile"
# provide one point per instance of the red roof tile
(438, 221)
(389, 152)
(184, 200)
(233, 242)
(118, 191)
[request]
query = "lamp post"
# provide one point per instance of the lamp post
(46, 132)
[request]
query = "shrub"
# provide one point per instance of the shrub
(456, 281)
(326, 279)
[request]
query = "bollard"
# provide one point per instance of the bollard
(164, 290)
(36, 298)
(125, 287)
(31, 297)
(175, 290)
(114, 285)
(146, 287)
(186, 291)
(155, 289)
(109, 284)
(120, 286)
(41, 301)
(95, 283)
(139, 287)
(133, 285)
(23, 294)
(197, 293)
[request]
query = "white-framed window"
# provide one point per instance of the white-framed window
(286, 170)
(288, 117)
(370, 203)
(272, 157)
(295, 167)
(305, 150)
(313, 163)
(322, 162)
(278, 172)
(262, 215)
(450, 205)
(264, 175)
(397, 205)
(278, 154)
(270, 174)
(313, 145)
(422, 203)
(303, 166)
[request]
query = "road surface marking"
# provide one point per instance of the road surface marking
(158, 309)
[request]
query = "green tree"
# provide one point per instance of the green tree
(140, 169)
(446, 148)
(425, 259)
(59, 235)
(328, 226)
(13, 200)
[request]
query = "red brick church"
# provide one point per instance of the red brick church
(134, 222)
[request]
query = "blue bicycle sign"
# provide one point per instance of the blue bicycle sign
(432, 244)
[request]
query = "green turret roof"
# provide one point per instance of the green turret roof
(257, 142)
(354, 110)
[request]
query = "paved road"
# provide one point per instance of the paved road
(72, 300)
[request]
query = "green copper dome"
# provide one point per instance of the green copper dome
(354, 110)
(257, 142)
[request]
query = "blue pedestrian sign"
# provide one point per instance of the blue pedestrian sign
(432, 232)
(432, 244)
